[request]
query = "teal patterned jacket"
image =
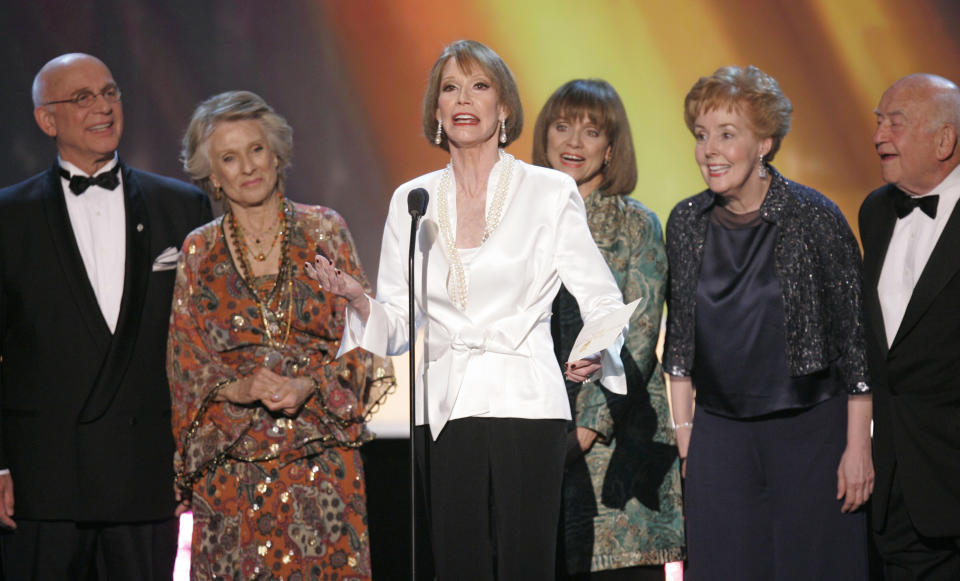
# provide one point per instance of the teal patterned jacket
(622, 500)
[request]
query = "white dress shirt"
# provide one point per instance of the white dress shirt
(913, 239)
(496, 358)
(98, 219)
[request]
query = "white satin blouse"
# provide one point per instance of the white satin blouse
(496, 358)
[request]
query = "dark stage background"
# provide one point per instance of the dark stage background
(169, 56)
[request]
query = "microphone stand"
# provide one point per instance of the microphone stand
(417, 204)
(413, 402)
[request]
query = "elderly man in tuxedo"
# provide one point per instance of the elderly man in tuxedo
(910, 230)
(87, 262)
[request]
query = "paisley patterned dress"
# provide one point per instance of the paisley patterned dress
(622, 499)
(274, 497)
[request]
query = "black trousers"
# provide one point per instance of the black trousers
(909, 556)
(70, 551)
(760, 499)
(493, 497)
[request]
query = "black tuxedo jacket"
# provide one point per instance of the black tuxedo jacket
(85, 414)
(917, 380)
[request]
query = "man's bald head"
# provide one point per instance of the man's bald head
(87, 131)
(918, 121)
(45, 83)
(941, 96)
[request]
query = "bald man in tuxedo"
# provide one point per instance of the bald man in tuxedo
(910, 229)
(88, 251)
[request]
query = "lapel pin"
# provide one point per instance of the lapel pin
(139, 227)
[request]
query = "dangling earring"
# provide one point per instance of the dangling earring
(439, 136)
(503, 131)
(762, 170)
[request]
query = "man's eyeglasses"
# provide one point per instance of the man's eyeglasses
(86, 99)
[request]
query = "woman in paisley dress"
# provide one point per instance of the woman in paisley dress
(267, 418)
(622, 514)
(497, 239)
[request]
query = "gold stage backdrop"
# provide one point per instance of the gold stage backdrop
(349, 75)
(833, 58)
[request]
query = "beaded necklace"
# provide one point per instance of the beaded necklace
(459, 293)
(270, 303)
(261, 255)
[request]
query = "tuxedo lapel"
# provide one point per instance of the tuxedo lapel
(875, 252)
(71, 262)
(943, 264)
(135, 278)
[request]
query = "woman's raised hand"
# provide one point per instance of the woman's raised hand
(332, 279)
(335, 281)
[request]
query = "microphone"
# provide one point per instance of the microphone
(417, 202)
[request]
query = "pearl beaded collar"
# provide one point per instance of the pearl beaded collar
(456, 278)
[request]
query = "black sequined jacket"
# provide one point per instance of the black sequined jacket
(818, 266)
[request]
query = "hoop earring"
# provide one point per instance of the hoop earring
(503, 131)
(439, 136)
(762, 170)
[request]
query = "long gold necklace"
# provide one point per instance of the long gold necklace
(270, 302)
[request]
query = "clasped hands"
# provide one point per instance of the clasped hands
(273, 391)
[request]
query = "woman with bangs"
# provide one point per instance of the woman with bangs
(765, 322)
(497, 240)
(622, 516)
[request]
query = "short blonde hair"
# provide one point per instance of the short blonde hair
(598, 101)
(232, 106)
(470, 54)
(750, 91)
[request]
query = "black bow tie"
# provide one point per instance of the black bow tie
(79, 184)
(904, 204)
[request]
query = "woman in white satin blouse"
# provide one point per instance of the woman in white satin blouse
(498, 238)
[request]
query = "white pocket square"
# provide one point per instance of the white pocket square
(167, 259)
